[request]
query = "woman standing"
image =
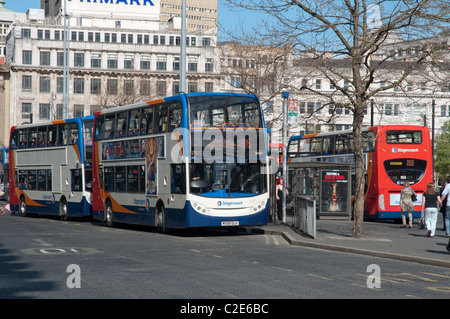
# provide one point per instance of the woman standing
(279, 193)
(430, 204)
(406, 203)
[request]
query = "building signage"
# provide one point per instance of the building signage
(107, 7)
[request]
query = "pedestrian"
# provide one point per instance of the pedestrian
(444, 203)
(445, 193)
(430, 203)
(279, 193)
(2, 208)
(406, 203)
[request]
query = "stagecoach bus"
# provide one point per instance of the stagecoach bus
(190, 160)
(392, 154)
(51, 168)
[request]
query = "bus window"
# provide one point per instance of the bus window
(32, 137)
(77, 180)
(23, 180)
(109, 179)
(328, 145)
(42, 179)
(316, 146)
(293, 148)
(304, 146)
(142, 179)
(133, 123)
(42, 136)
(178, 179)
(62, 134)
(23, 138)
(109, 126)
(121, 124)
(120, 179)
(49, 179)
(52, 135)
(73, 133)
(31, 179)
(174, 116)
(161, 118)
(99, 127)
(14, 139)
(403, 137)
(132, 179)
(147, 121)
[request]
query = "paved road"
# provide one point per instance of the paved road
(48, 258)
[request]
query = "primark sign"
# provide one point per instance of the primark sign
(141, 7)
(130, 2)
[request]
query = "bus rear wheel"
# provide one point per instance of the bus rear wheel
(109, 214)
(63, 209)
(161, 219)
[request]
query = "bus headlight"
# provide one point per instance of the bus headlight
(259, 206)
(199, 208)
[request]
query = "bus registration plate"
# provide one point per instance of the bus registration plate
(230, 223)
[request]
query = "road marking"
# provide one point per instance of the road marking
(436, 275)
(283, 269)
(320, 277)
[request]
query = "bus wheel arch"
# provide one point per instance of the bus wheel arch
(160, 217)
(63, 209)
(109, 215)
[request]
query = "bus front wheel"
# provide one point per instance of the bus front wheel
(22, 207)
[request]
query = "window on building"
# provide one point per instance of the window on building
(60, 58)
(26, 111)
(128, 87)
(26, 33)
(161, 63)
(129, 61)
(78, 59)
(78, 85)
(27, 57)
(145, 88)
(161, 88)
(209, 65)
(95, 86)
(192, 63)
(78, 110)
(44, 84)
(59, 84)
(44, 58)
(112, 61)
(27, 83)
(96, 60)
(111, 87)
(176, 63)
(44, 111)
(145, 62)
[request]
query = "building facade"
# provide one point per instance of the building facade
(112, 61)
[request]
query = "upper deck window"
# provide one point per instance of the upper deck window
(404, 137)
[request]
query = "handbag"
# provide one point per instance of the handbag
(421, 223)
(413, 197)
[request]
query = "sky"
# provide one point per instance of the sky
(228, 18)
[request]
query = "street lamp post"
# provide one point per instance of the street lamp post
(183, 48)
(285, 95)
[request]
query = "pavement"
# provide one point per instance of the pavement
(384, 239)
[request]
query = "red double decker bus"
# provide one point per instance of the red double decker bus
(392, 155)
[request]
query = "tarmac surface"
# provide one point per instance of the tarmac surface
(384, 239)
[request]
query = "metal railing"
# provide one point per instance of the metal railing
(305, 215)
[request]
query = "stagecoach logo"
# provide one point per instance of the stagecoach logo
(404, 150)
(228, 203)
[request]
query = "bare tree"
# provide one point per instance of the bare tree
(366, 36)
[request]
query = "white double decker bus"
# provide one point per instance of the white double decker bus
(190, 160)
(50, 171)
